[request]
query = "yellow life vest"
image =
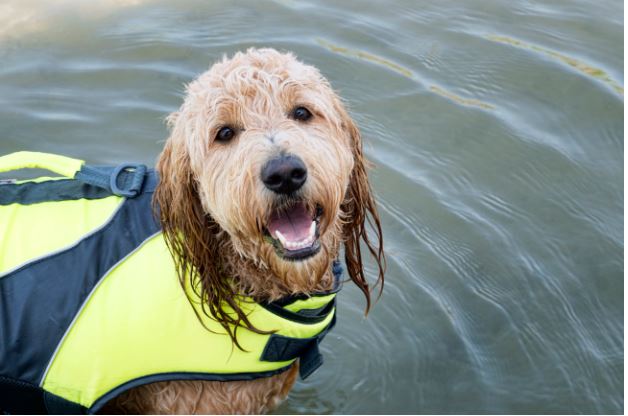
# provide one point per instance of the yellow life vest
(91, 305)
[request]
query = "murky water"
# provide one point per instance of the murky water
(497, 131)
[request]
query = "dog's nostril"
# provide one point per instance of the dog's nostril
(298, 174)
(284, 174)
(274, 180)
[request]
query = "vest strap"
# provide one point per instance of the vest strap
(90, 182)
(282, 348)
(108, 178)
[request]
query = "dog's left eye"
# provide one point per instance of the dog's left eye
(225, 134)
(301, 114)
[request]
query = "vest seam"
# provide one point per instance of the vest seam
(62, 249)
(87, 298)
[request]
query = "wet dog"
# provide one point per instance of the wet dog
(263, 180)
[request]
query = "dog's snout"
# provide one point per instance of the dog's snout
(284, 174)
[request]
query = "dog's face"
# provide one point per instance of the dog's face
(271, 154)
(266, 156)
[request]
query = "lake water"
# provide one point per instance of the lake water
(496, 128)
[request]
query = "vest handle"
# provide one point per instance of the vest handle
(123, 180)
(62, 165)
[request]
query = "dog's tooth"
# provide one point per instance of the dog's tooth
(281, 238)
(296, 245)
(303, 243)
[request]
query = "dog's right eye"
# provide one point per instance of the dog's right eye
(225, 134)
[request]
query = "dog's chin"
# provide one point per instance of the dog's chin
(294, 231)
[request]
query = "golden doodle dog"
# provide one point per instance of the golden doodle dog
(261, 141)
(260, 185)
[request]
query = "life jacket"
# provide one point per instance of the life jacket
(91, 304)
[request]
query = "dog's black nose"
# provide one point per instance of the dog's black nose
(284, 174)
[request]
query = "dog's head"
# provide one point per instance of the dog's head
(263, 179)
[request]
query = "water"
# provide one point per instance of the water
(496, 128)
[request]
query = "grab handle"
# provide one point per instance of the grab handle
(124, 180)
(62, 165)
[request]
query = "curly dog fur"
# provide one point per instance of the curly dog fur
(215, 207)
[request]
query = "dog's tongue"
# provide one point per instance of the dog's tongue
(293, 223)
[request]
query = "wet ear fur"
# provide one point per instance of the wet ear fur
(191, 235)
(360, 209)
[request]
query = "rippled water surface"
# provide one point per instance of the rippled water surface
(496, 128)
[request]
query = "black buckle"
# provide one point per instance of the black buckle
(134, 178)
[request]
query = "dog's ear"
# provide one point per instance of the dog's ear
(176, 204)
(191, 235)
(360, 209)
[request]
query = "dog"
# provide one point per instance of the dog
(262, 182)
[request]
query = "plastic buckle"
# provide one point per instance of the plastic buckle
(137, 180)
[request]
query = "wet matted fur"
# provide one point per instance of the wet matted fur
(214, 208)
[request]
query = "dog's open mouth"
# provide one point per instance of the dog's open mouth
(293, 230)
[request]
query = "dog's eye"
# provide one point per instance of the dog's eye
(301, 114)
(225, 134)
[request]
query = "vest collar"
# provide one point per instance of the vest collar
(308, 308)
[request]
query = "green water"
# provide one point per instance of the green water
(496, 128)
